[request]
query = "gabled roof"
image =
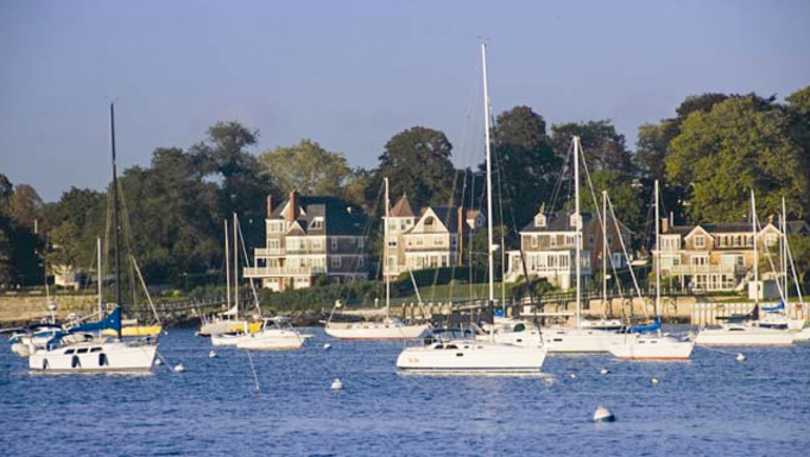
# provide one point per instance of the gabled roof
(402, 208)
(339, 217)
(557, 222)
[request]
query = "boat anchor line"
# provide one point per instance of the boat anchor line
(253, 370)
(165, 362)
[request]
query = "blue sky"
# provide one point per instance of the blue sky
(351, 74)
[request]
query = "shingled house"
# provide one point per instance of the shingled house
(310, 237)
(432, 237)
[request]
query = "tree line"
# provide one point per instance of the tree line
(707, 157)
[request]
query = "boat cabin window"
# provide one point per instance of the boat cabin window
(70, 351)
(96, 349)
(81, 350)
(451, 346)
(519, 328)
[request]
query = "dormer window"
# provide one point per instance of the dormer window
(316, 223)
(540, 220)
(700, 241)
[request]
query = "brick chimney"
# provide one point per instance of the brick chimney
(292, 208)
(269, 206)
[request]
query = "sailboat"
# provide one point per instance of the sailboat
(77, 350)
(390, 328)
(456, 355)
(275, 333)
(743, 330)
(228, 322)
(581, 338)
(648, 343)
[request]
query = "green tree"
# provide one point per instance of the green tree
(604, 148)
(307, 168)
(417, 162)
(742, 143)
(525, 166)
(26, 205)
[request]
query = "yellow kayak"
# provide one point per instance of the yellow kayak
(135, 330)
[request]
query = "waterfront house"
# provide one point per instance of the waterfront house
(311, 237)
(718, 257)
(547, 245)
(434, 238)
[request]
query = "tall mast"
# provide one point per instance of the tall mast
(604, 250)
(756, 253)
(385, 251)
(98, 278)
(227, 269)
(657, 253)
(235, 267)
(489, 176)
(578, 236)
(783, 252)
(116, 223)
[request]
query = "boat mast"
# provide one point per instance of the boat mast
(98, 278)
(604, 250)
(489, 176)
(385, 252)
(116, 223)
(578, 235)
(227, 269)
(783, 252)
(756, 254)
(235, 268)
(657, 253)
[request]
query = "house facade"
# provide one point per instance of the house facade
(718, 257)
(433, 237)
(308, 237)
(548, 246)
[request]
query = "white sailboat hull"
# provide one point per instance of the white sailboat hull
(374, 331)
(94, 356)
(579, 340)
(744, 336)
(472, 357)
(272, 340)
(651, 347)
(225, 339)
(802, 335)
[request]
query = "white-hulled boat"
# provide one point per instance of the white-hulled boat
(743, 334)
(77, 351)
(647, 343)
(276, 334)
(389, 328)
(505, 330)
(24, 343)
(470, 356)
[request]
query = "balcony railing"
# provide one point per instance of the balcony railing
(264, 252)
(704, 269)
(262, 272)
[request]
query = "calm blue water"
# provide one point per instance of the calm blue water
(711, 405)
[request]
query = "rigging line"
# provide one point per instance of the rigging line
(247, 264)
(624, 248)
(793, 270)
(253, 370)
(145, 290)
(770, 258)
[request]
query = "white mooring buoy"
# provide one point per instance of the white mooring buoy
(179, 368)
(603, 414)
(212, 354)
(604, 371)
(336, 384)
(741, 357)
(158, 362)
(572, 376)
(327, 346)
(654, 381)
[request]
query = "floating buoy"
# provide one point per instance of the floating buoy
(336, 384)
(327, 346)
(741, 357)
(179, 368)
(604, 371)
(211, 354)
(158, 362)
(654, 381)
(572, 376)
(603, 414)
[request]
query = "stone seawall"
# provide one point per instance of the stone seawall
(20, 309)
